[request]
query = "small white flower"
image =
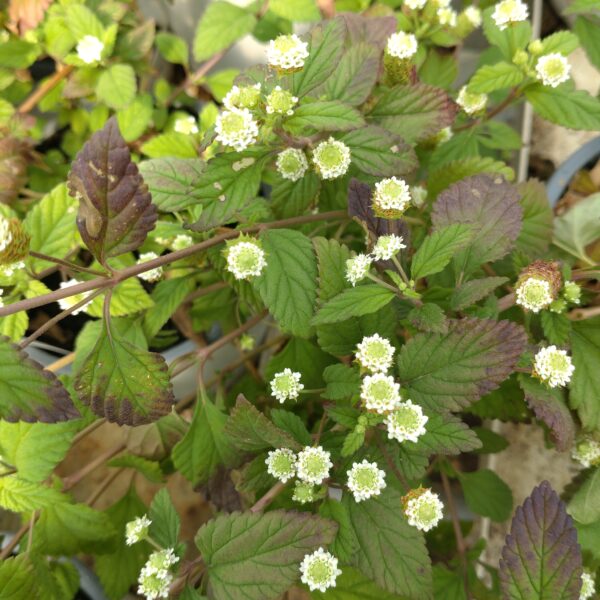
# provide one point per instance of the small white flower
(245, 259)
(357, 268)
(287, 52)
(286, 385)
(423, 509)
(182, 241)
(473, 15)
(380, 393)
(534, 294)
(331, 159)
(415, 4)
(89, 49)
(447, 16)
(137, 530)
(471, 102)
(392, 194)
(12, 268)
(246, 96)
(375, 353)
(6, 236)
(236, 128)
(419, 195)
(162, 559)
(588, 585)
(509, 11)
(281, 463)
(553, 69)
(572, 292)
(319, 570)
(406, 422)
(365, 480)
(281, 102)
(186, 125)
(402, 45)
(154, 584)
(587, 452)
(313, 464)
(70, 301)
(304, 493)
(292, 164)
(388, 246)
(152, 274)
(553, 366)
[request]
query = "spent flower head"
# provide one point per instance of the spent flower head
(509, 11)
(245, 259)
(423, 508)
(236, 128)
(331, 159)
(287, 52)
(152, 274)
(380, 393)
(281, 102)
(286, 385)
(471, 102)
(553, 366)
(245, 96)
(313, 464)
(388, 246)
(89, 49)
(406, 423)
(281, 463)
(588, 585)
(534, 294)
(375, 353)
(292, 164)
(365, 479)
(357, 268)
(402, 45)
(137, 529)
(553, 69)
(586, 452)
(391, 197)
(319, 570)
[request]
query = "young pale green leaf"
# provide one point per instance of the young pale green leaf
(165, 526)
(341, 381)
(331, 262)
(82, 21)
(117, 86)
(172, 48)
(354, 302)
(292, 198)
(14, 326)
(575, 109)
(563, 42)
(536, 233)
(256, 556)
(21, 496)
(221, 25)
(584, 505)
(490, 78)
(295, 10)
(173, 182)
(487, 495)
(353, 442)
(115, 208)
(135, 118)
(450, 371)
(404, 568)
(324, 115)
(473, 291)
(582, 6)
(17, 578)
(18, 54)
(437, 249)
(556, 326)
(204, 447)
(109, 381)
(507, 40)
(588, 32)
(170, 145)
(541, 558)
(288, 284)
(446, 434)
(248, 429)
(28, 392)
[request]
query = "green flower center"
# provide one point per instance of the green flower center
(380, 390)
(558, 362)
(284, 383)
(290, 163)
(232, 122)
(377, 350)
(248, 96)
(554, 67)
(246, 259)
(319, 571)
(390, 189)
(282, 463)
(427, 513)
(406, 417)
(365, 478)
(303, 492)
(280, 101)
(314, 465)
(330, 155)
(536, 291)
(285, 43)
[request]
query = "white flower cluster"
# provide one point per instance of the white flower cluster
(11, 269)
(402, 45)
(313, 464)
(89, 49)
(182, 241)
(292, 164)
(534, 294)
(156, 577)
(281, 102)
(6, 236)
(152, 274)
(380, 393)
(246, 96)
(553, 366)
(375, 353)
(406, 423)
(588, 585)
(415, 4)
(245, 259)
(357, 268)
(447, 16)
(236, 128)
(387, 246)
(186, 125)
(287, 52)
(471, 102)
(473, 15)
(392, 194)
(71, 301)
(365, 480)
(331, 159)
(281, 463)
(553, 69)
(319, 570)
(286, 385)
(587, 452)
(423, 509)
(137, 530)
(509, 11)
(304, 493)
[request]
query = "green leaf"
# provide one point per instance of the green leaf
(135, 118)
(582, 6)
(473, 291)
(341, 381)
(293, 424)
(508, 40)
(428, 317)
(256, 556)
(556, 326)
(248, 429)
(115, 208)
(14, 326)
(487, 495)
(354, 302)
(353, 442)
(331, 262)
(570, 108)
(437, 249)
(345, 544)
(165, 526)
(51, 225)
(295, 10)
(128, 297)
(490, 78)
(585, 384)
(404, 568)
(148, 468)
(536, 232)
(588, 31)
(563, 41)
(170, 145)
(18, 495)
(82, 21)
(352, 585)
(173, 182)
(68, 529)
(450, 371)
(172, 48)
(18, 54)
(292, 198)
(204, 447)
(17, 578)
(109, 381)
(117, 86)
(324, 115)
(446, 434)
(288, 284)
(221, 25)
(28, 392)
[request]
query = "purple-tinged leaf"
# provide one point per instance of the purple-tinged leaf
(473, 291)
(115, 208)
(491, 206)
(451, 371)
(541, 558)
(28, 392)
(549, 407)
(374, 31)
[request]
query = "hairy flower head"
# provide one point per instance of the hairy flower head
(572, 292)
(447, 16)
(89, 49)
(152, 274)
(281, 463)
(357, 268)
(553, 69)
(586, 451)
(287, 52)
(388, 246)
(509, 11)
(553, 366)
(245, 258)
(319, 570)
(380, 393)
(365, 479)
(292, 164)
(236, 128)
(588, 585)
(137, 529)
(281, 102)
(304, 493)
(313, 464)
(402, 45)
(423, 508)
(472, 15)
(245, 96)
(406, 423)
(286, 385)
(391, 198)
(471, 102)
(154, 584)
(534, 294)
(375, 353)
(182, 241)
(331, 159)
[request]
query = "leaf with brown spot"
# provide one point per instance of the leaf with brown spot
(124, 383)
(115, 208)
